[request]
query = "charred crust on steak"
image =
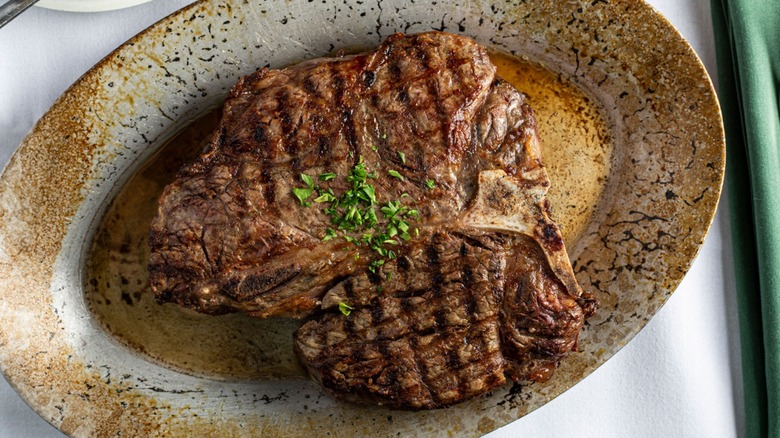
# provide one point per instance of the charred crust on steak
(484, 292)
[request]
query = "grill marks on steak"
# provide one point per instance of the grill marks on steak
(486, 289)
(430, 346)
(488, 304)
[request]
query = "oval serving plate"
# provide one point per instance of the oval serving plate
(664, 170)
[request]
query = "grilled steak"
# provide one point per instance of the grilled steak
(484, 289)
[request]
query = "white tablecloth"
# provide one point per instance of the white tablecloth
(680, 377)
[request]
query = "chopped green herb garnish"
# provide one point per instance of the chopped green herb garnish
(351, 239)
(325, 197)
(367, 194)
(308, 180)
(358, 173)
(354, 216)
(430, 183)
(369, 219)
(391, 209)
(373, 147)
(384, 136)
(329, 234)
(345, 308)
(395, 174)
(303, 193)
(352, 213)
(392, 231)
(373, 266)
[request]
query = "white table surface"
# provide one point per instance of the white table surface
(680, 377)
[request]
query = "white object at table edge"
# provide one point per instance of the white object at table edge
(88, 5)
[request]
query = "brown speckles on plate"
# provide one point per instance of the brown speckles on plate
(632, 140)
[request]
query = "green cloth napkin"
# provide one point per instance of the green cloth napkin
(747, 36)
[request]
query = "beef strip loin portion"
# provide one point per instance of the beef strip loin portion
(486, 289)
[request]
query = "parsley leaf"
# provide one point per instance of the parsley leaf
(329, 234)
(308, 180)
(303, 193)
(327, 176)
(391, 209)
(369, 194)
(430, 183)
(351, 239)
(375, 265)
(395, 174)
(345, 308)
(325, 197)
(370, 218)
(403, 157)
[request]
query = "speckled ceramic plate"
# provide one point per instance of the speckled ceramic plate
(632, 139)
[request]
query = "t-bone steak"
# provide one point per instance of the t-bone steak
(484, 288)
